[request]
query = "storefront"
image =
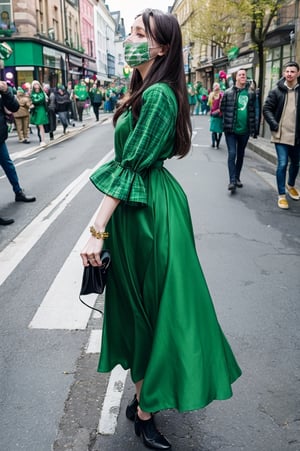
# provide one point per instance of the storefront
(54, 70)
(33, 61)
(279, 50)
(246, 61)
(90, 68)
(75, 68)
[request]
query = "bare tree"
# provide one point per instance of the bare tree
(262, 14)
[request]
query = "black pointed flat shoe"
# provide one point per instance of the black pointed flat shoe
(131, 409)
(152, 438)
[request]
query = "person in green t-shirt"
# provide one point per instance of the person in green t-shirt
(81, 95)
(238, 109)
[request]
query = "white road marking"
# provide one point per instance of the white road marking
(27, 152)
(19, 164)
(94, 343)
(61, 308)
(111, 405)
(14, 252)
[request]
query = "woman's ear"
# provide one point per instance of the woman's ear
(163, 50)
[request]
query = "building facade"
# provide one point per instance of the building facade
(56, 41)
(204, 62)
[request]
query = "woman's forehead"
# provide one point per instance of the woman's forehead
(138, 24)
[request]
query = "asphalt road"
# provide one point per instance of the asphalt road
(51, 396)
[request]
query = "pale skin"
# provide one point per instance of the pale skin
(241, 79)
(90, 254)
(3, 86)
(291, 75)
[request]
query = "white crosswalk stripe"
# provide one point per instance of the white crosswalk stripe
(61, 308)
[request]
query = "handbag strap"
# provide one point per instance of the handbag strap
(89, 306)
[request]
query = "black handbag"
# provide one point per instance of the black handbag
(94, 278)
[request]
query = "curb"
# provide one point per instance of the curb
(263, 148)
(60, 137)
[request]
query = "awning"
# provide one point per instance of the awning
(244, 61)
(101, 78)
(74, 60)
(90, 65)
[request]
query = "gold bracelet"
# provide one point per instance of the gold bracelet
(98, 235)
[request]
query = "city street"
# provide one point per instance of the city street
(51, 397)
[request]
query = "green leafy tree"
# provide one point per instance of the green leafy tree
(217, 23)
(224, 23)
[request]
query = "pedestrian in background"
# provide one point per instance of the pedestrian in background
(63, 105)
(238, 110)
(192, 97)
(81, 95)
(96, 99)
(204, 102)
(22, 116)
(51, 110)
(282, 112)
(73, 102)
(159, 320)
(216, 121)
(39, 113)
(9, 101)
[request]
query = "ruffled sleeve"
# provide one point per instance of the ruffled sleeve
(147, 145)
(119, 182)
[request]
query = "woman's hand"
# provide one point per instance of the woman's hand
(90, 254)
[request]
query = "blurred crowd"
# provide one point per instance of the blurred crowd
(43, 106)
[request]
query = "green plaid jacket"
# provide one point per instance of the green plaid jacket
(141, 148)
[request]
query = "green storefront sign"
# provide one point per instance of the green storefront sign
(25, 54)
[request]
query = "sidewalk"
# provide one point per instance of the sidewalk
(261, 146)
(264, 148)
(17, 149)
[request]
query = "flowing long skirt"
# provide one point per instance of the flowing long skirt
(159, 319)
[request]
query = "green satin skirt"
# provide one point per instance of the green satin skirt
(159, 319)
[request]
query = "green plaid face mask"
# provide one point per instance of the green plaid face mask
(136, 53)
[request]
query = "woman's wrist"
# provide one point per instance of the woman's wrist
(99, 234)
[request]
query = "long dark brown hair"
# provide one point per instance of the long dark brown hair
(168, 69)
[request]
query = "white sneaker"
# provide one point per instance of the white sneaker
(42, 143)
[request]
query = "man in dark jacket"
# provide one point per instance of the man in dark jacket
(8, 101)
(238, 110)
(282, 112)
(96, 99)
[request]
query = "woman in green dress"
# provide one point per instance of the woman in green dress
(39, 114)
(159, 319)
